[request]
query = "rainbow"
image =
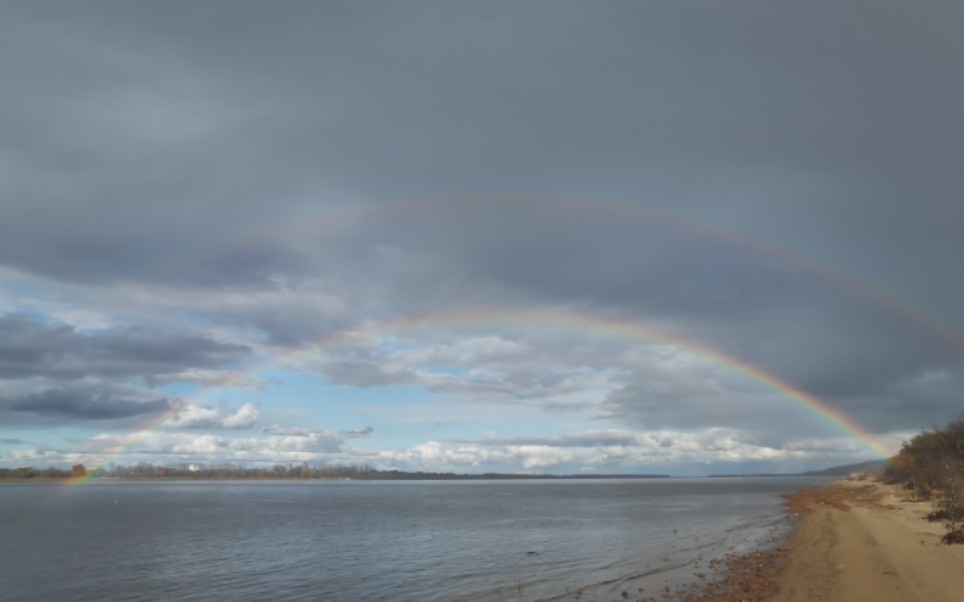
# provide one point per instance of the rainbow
(581, 321)
(159, 420)
(564, 319)
(128, 442)
(610, 327)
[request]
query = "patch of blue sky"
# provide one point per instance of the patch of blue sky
(448, 417)
(9, 438)
(46, 437)
(318, 403)
(394, 344)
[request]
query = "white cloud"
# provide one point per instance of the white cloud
(169, 447)
(198, 416)
(673, 452)
(245, 418)
(617, 451)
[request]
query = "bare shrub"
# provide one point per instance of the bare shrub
(932, 466)
(953, 535)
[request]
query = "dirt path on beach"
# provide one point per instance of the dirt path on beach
(876, 547)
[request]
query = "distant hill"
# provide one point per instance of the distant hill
(842, 471)
(876, 466)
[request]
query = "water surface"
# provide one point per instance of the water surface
(419, 541)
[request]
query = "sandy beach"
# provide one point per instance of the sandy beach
(856, 541)
(867, 541)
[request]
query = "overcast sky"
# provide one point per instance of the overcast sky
(470, 236)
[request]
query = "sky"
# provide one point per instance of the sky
(556, 237)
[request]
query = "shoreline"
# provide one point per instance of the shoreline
(853, 540)
(874, 544)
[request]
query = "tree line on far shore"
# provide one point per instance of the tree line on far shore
(146, 470)
(301, 471)
(932, 466)
(29, 472)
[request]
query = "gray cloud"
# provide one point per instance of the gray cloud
(55, 372)
(357, 433)
(679, 106)
(29, 348)
(86, 403)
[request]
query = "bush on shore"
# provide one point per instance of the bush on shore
(932, 466)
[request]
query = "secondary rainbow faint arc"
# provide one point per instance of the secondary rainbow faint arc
(560, 318)
(856, 285)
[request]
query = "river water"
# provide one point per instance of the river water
(394, 541)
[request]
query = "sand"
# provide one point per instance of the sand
(856, 541)
(864, 541)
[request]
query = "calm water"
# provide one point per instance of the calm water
(353, 541)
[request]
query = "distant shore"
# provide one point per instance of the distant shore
(37, 480)
(393, 475)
